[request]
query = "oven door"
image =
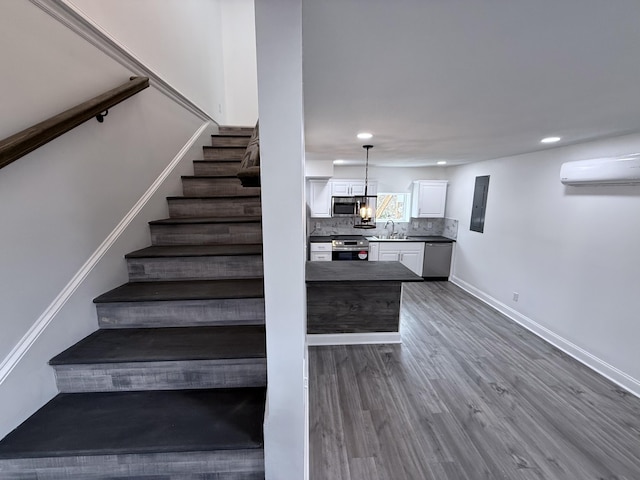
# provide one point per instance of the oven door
(351, 255)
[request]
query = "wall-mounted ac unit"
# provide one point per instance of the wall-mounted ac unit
(602, 171)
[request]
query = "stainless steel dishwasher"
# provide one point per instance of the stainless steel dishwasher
(437, 259)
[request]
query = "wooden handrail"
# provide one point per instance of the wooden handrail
(18, 145)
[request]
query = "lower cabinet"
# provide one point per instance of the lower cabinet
(320, 252)
(410, 254)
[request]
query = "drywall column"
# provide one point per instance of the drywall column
(279, 55)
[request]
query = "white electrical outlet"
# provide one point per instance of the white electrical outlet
(429, 224)
(516, 296)
(414, 224)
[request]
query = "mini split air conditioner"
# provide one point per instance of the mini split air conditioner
(602, 171)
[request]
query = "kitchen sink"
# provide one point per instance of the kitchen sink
(387, 239)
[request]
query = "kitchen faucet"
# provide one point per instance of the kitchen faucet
(393, 227)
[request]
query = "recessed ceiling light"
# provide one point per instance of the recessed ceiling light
(550, 140)
(338, 162)
(442, 162)
(364, 136)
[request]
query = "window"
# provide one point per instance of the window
(393, 206)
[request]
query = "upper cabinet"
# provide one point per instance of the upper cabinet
(350, 188)
(320, 192)
(429, 197)
(319, 198)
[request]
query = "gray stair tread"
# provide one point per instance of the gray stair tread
(231, 135)
(164, 251)
(195, 220)
(213, 197)
(140, 422)
(235, 147)
(222, 160)
(166, 344)
(205, 177)
(184, 290)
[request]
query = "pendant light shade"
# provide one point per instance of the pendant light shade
(366, 217)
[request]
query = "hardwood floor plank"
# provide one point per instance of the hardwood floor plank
(469, 395)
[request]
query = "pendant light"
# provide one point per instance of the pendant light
(366, 205)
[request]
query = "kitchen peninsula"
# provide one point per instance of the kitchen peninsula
(355, 297)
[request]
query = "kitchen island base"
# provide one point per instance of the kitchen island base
(355, 298)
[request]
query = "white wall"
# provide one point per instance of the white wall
(239, 53)
(181, 40)
(391, 179)
(571, 253)
(61, 202)
(279, 34)
(203, 48)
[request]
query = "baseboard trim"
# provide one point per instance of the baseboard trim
(318, 339)
(620, 378)
(25, 343)
(71, 16)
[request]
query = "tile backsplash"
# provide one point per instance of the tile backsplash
(447, 227)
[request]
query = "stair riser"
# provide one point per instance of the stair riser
(206, 234)
(186, 313)
(219, 465)
(231, 130)
(194, 268)
(214, 207)
(203, 187)
(219, 153)
(174, 375)
(237, 141)
(216, 168)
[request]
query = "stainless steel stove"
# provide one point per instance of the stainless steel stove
(349, 247)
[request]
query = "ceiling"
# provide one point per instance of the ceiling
(466, 80)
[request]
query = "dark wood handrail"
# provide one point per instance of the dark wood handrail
(18, 145)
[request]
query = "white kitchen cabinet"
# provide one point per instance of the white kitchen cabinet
(350, 188)
(393, 256)
(374, 248)
(412, 259)
(429, 198)
(410, 254)
(320, 252)
(319, 198)
(320, 257)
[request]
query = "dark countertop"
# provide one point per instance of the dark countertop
(320, 272)
(430, 239)
(318, 239)
(434, 239)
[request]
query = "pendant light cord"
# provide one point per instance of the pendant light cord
(366, 170)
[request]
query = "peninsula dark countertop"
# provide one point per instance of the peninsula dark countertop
(321, 272)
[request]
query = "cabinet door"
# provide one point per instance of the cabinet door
(320, 256)
(412, 260)
(374, 251)
(319, 199)
(340, 188)
(320, 247)
(357, 188)
(390, 256)
(431, 197)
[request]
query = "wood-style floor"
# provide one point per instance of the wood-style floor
(468, 395)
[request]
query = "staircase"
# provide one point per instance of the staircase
(172, 385)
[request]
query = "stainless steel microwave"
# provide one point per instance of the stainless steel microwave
(343, 206)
